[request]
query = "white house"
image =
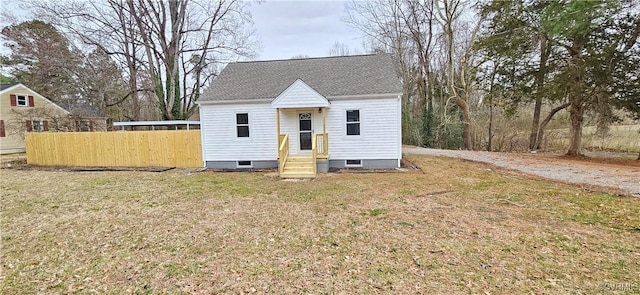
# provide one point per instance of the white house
(303, 115)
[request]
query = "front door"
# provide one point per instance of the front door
(306, 132)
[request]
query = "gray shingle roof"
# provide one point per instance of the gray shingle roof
(82, 110)
(6, 86)
(329, 76)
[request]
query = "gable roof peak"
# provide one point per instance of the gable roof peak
(299, 95)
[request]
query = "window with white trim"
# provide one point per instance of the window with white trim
(22, 100)
(353, 163)
(353, 122)
(244, 164)
(242, 124)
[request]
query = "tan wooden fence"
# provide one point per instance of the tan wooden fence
(166, 148)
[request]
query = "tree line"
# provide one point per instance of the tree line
(457, 58)
(460, 62)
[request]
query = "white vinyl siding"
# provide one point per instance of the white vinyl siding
(219, 133)
(379, 130)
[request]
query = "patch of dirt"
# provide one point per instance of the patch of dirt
(602, 158)
(13, 160)
(405, 163)
(615, 174)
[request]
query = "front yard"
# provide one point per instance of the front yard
(457, 228)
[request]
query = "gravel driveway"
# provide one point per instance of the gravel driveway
(619, 177)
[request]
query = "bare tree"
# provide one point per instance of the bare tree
(341, 49)
(398, 27)
(431, 44)
(449, 12)
(169, 49)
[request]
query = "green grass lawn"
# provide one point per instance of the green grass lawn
(457, 228)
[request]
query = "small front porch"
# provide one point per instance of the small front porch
(302, 152)
(310, 153)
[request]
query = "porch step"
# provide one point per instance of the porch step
(299, 164)
(298, 167)
(294, 159)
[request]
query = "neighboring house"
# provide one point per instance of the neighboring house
(85, 118)
(303, 115)
(23, 110)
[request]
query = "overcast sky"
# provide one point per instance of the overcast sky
(289, 28)
(284, 28)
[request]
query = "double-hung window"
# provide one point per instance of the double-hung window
(22, 100)
(353, 122)
(242, 124)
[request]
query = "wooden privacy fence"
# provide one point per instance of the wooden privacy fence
(167, 148)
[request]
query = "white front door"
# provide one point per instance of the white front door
(305, 131)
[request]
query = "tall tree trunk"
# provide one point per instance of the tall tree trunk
(534, 144)
(466, 128)
(489, 144)
(576, 115)
(576, 99)
(535, 124)
(133, 88)
(466, 123)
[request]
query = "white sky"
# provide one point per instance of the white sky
(289, 28)
(284, 28)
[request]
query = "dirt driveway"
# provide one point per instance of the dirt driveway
(621, 178)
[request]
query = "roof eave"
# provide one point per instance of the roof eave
(234, 101)
(365, 96)
(269, 100)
